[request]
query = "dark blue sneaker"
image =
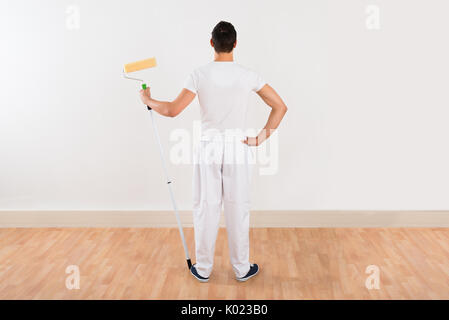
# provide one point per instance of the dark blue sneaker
(253, 270)
(197, 276)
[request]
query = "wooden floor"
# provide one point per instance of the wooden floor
(295, 264)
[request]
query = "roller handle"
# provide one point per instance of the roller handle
(144, 87)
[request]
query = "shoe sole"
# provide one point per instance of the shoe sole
(199, 279)
(246, 279)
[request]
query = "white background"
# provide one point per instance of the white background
(367, 126)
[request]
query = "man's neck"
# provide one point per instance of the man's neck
(224, 56)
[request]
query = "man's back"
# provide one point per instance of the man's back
(223, 89)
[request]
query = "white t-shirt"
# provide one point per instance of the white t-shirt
(223, 90)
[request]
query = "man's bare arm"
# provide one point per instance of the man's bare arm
(168, 108)
(278, 110)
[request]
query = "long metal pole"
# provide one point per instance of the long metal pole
(169, 182)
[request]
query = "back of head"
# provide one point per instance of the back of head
(224, 37)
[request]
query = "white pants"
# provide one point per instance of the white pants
(221, 177)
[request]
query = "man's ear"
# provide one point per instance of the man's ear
(211, 43)
(235, 43)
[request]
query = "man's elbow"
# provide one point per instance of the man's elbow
(171, 113)
(283, 109)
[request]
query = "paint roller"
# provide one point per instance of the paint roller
(137, 66)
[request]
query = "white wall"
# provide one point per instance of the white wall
(368, 109)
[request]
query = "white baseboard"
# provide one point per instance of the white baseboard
(259, 219)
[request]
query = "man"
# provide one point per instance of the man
(222, 161)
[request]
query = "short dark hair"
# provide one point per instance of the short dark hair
(224, 37)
